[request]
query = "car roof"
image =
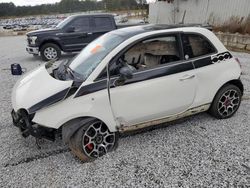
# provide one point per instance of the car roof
(135, 30)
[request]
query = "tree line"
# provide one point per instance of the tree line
(68, 6)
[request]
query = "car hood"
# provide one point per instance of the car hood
(37, 89)
(43, 31)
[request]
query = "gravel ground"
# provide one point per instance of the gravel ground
(196, 152)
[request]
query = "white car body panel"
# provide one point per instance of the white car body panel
(95, 105)
(34, 87)
(211, 78)
(128, 105)
(133, 96)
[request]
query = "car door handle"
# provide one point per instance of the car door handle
(89, 33)
(187, 77)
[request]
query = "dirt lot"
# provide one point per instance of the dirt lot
(196, 152)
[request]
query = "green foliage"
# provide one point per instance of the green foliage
(66, 6)
(120, 4)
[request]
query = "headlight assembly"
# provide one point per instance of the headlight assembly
(33, 39)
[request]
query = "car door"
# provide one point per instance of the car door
(157, 91)
(75, 36)
(101, 25)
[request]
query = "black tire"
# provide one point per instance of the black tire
(87, 150)
(226, 102)
(50, 51)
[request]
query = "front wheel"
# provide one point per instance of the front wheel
(93, 140)
(50, 51)
(226, 102)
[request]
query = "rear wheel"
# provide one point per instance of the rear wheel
(226, 102)
(93, 140)
(50, 51)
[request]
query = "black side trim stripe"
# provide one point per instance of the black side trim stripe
(156, 73)
(203, 62)
(97, 86)
(221, 57)
(138, 77)
(218, 58)
(48, 101)
(71, 92)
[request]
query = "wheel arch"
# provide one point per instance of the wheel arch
(236, 82)
(53, 41)
(72, 126)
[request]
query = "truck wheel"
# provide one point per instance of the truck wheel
(93, 140)
(50, 51)
(226, 102)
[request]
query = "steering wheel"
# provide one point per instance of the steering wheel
(121, 61)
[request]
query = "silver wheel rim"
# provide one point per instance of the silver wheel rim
(97, 140)
(228, 103)
(50, 53)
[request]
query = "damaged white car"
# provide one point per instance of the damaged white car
(126, 80)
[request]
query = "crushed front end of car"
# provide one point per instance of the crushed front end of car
(33, 92)
(23, 121)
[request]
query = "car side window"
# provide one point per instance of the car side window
(81, 24)
(103, 24)
(196, 45)
(148, 54)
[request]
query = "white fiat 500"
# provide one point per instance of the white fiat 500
(126, 80)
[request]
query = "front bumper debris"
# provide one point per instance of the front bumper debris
(23, 121)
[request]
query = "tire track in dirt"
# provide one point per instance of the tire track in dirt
(36, 157)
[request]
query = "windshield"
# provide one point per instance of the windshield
(92, 55)
(64, 22)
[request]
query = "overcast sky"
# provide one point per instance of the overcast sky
(35, 2)
(29, 2)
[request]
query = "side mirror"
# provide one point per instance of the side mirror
(70, 29)
(125, 73)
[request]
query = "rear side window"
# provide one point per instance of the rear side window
(196, 45)
(103, 24)
(81, 24)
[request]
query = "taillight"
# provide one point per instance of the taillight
(238, 61)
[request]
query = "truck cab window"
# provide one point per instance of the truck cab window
(80, 24)
(103, 24)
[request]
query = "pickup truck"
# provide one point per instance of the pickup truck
(70, 35)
